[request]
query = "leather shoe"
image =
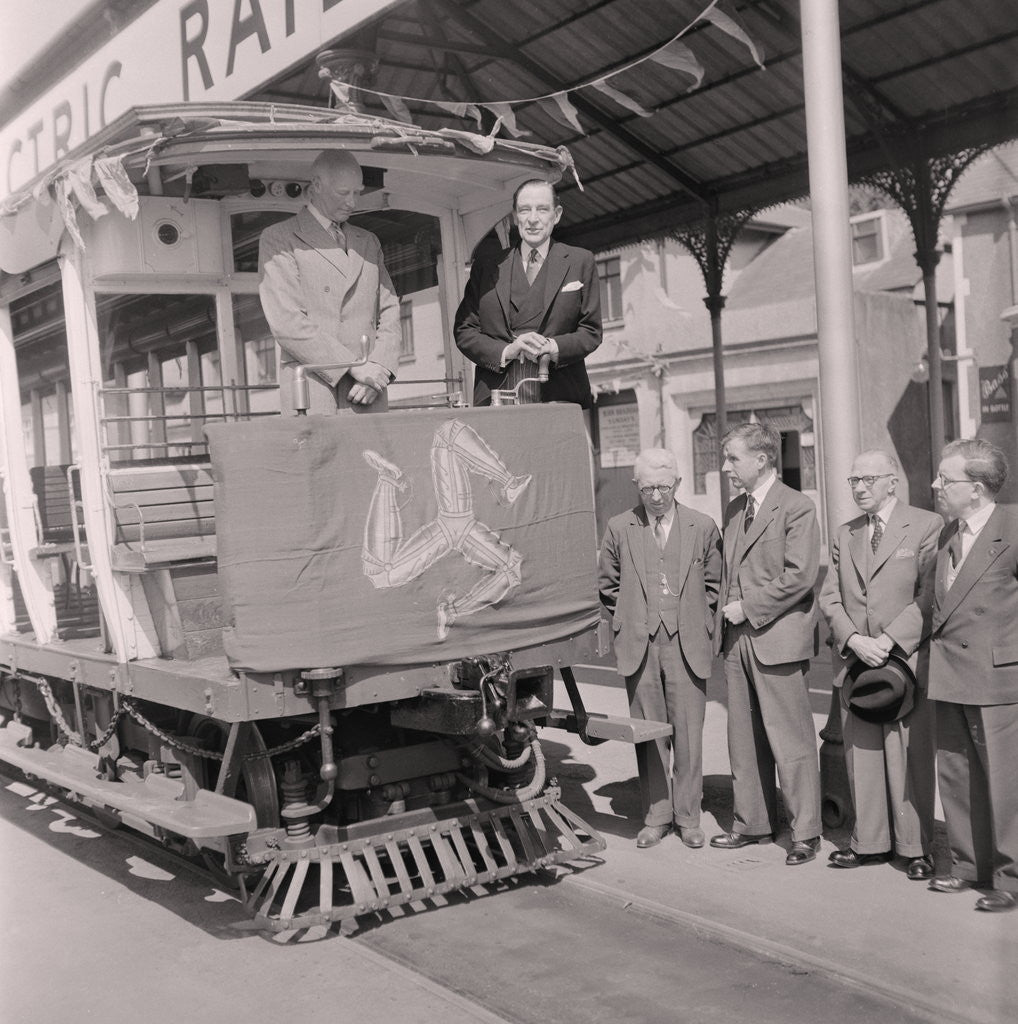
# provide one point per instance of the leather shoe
(997, 901)
(919, 869)
(736, 841)
(850, 859)
(651, 835)
(803, 851)
(951, 883)
(691, 836)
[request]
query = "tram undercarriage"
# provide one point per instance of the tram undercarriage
(317, 818)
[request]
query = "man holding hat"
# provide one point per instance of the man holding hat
(870, 601)
(974, 673)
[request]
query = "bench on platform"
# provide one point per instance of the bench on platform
(164, 514)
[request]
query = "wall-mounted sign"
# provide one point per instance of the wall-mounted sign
(619, 433)
(995, 394)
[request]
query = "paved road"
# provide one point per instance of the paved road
(98, 926)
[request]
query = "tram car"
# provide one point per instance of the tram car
(315, 651)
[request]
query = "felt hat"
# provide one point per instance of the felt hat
(882, 694)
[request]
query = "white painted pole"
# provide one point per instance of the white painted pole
(832, 262)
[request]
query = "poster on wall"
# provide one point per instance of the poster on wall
(995, 394)
(619, 433)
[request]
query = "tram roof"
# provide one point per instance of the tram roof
(272, 141)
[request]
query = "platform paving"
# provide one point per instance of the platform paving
(871, 925)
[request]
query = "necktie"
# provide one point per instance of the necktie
(659, 533)
(878, 532)
(533, 265)
(747, 521)
(954, 546)
(336, 231)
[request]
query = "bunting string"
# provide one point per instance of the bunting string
(673, 54)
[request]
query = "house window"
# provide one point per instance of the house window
(406, 330)
(867, 240)
(610, 277)
(797, 460)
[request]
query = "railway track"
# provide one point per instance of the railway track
(559, 946)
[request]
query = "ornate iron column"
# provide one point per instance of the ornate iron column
(920, 186)
(710, 243)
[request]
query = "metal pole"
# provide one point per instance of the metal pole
(715, 303)
(839, 384)
(828, 181)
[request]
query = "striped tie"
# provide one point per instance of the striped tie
(878, 532)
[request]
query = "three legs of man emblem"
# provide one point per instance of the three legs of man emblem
(390, 560)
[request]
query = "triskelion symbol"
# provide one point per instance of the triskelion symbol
(457, 450)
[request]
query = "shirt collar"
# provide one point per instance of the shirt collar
(668, 515)
(884, 514)
(978, 519)
(542, 249)
(761, 489)
(320, 217)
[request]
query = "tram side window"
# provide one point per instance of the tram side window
(259, 355)
(161, 374)
(40, 344)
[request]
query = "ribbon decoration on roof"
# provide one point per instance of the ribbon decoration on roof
(673, 54)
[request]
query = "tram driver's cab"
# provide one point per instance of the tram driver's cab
(122, 333)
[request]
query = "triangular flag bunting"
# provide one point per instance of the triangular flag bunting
(395, 105)
(728, 24)
(460, 109)
(341, 92)
(505, 111)
(620, 98)
(563, 111)
(679, 57)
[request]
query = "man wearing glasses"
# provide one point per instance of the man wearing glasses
(659, 573)
(974, 673)
(870, 601)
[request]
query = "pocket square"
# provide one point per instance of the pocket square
(904, 553)
(572, 286)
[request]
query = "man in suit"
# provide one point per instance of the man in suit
(870, 601)
(659, 573)
(973, 600)
(324, 288)
(767, 629)
(539, 298)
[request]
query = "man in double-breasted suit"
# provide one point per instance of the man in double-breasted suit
(767, 630)
(870, 601)
(660, 568)
(539, 298)
(324, 288)
(973, 604)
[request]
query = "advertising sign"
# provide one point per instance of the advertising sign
(995, 394)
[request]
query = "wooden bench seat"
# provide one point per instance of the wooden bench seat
(53, 499)
(164, 514)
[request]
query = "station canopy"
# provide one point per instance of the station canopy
(687, 107)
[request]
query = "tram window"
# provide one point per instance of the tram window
(260, 357)
(411, 246)
(160, 365)
(40, 344)
(245, 230)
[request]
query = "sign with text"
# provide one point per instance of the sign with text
(619, 434)
(192, 51)
(995, 394)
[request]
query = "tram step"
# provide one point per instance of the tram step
(610, 727)
(156, 799)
